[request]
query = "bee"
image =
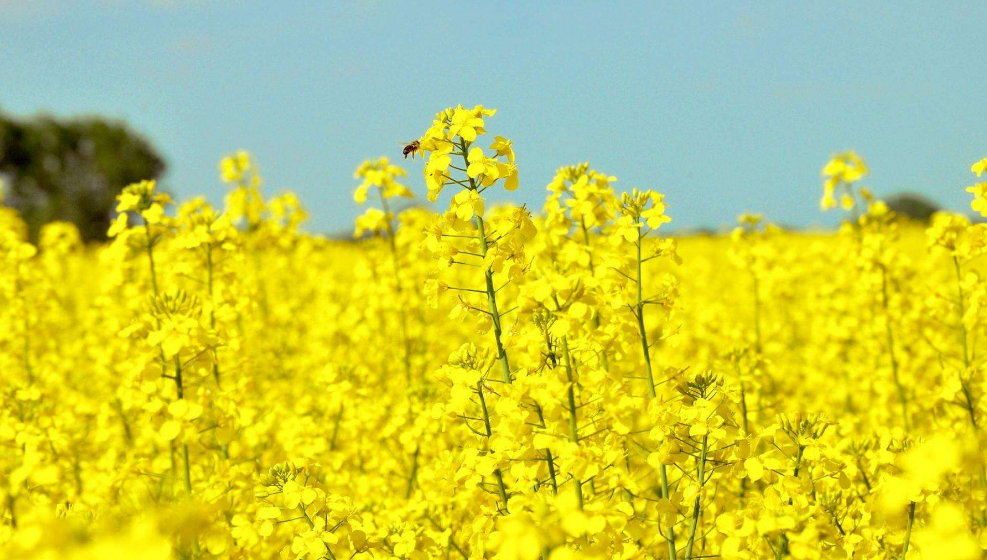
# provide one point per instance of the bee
(411, 149)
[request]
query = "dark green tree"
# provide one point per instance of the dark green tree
(71, 170)
(913, 206)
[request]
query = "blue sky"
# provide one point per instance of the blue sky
(724, 106)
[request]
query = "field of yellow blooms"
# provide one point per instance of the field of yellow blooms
(492, 382)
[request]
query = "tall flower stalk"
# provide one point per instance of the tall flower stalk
(464, 238)
(638, 214)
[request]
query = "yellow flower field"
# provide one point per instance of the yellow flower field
(492, 382)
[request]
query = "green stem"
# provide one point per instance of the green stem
(746, 426)
(639, 314)
(551, 472)
(505, 365)
(573, 419)
(502, 358)
(414, 473)
(311, 525)
(549, 458)
(646, 350)
(335, 428)
(212, 310)
(186, 474)
(698, 505)
(902, 396)
(663, 473)
(127, 434)
(186, 468)
(908, 531)
(187, 478)
(11, 508)
(501, 488)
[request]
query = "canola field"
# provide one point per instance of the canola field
(492, 382)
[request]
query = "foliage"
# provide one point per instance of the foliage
(913, 206)
(71, 170)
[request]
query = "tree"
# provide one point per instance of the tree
(71, 170)
(913, 206)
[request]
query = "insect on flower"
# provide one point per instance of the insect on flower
(411, 148)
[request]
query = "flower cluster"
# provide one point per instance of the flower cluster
(841, 172)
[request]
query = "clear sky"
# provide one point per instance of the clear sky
(724, 106)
